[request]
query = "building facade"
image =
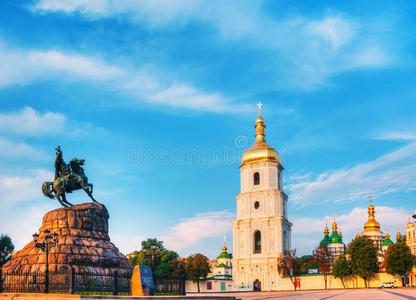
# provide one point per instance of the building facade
(262, 231)
(411, 243)
(335, 246)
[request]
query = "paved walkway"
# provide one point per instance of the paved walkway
(365, 294)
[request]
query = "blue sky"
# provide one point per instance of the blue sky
(159, 98)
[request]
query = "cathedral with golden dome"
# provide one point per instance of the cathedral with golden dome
(262, 231)
(371, 230)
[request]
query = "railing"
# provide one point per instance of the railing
(170, 286)
(67, 281)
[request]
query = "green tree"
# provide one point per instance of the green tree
(153, 245)
(399, 259)
(341, 269)
(363, 258)
(305, 262)
(197, 268)
(6, 248)
(323, 258)
(155, 255)
(289, 265)
(166, 264)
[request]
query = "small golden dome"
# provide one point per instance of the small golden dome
(260, 151)
(398, 235)
(334, 226)
(371, 225)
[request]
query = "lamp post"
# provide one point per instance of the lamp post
(49, 241)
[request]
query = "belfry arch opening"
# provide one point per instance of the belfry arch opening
(257, 241)
(256, 178)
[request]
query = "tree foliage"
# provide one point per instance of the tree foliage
(6, 248)
(341, 269)
(289, 265)
(164, 262)
(197, 268)
(399, 259)
(305, 262)
(363, 258)
(323, 258)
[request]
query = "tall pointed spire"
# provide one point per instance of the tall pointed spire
(371, 225)
(358, 232)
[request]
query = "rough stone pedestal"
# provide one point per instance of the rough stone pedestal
(83, 245)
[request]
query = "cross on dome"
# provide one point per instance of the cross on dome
(259, 105)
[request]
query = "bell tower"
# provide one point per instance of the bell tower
(262, 231)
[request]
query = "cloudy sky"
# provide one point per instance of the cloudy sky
(159, 98)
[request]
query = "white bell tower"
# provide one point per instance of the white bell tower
(262, 231)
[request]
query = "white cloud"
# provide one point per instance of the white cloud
(143, 84)
(31, 122)
(404, 132)
(22, 66)
(20, 188)
(309, 50)
(202, 226)
(336, 30)
(10, 149)
(389, 173)
(308, 232)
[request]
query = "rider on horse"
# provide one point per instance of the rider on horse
(64, 170)
(68, 178)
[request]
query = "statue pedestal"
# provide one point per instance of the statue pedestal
(83, 245)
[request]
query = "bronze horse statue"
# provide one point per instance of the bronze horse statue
(68, 178)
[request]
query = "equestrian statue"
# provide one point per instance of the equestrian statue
(68, 178)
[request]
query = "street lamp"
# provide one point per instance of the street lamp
(49, 241)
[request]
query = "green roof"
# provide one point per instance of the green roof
(222, 266)
(325, 241)
(224, 255)
(336, 238)
(387, 242)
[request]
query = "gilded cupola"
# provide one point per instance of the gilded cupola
(326, 240)
(398, 234)
(260, 151)
(371, 225)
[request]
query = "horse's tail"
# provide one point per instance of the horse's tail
(45, 189)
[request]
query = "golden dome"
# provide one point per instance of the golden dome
(371, 225)
(326, 231)
(334, 226)
(260, 151)
(398, 235)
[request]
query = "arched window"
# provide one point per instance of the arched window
(257, 241)
(256, 178)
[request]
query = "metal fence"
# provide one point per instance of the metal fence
(170, 286)
(71, 281)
